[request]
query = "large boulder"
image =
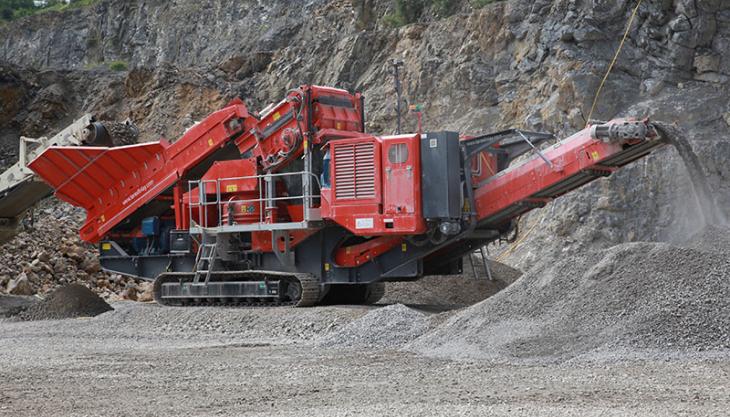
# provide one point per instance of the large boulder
(20, 285)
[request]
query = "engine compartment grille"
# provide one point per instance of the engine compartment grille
(354, 171)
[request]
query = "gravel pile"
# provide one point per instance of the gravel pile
(633, 296)
(66, 302)
(715, 239)
(49, 253)
(11, 305)
(383, 328)
(452, 291)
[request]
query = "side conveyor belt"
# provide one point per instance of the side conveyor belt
(567, 165)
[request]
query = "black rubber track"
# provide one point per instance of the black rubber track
(311, 290)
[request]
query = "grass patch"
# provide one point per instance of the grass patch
(481, 3)
(118, 66)
(408, 11)
(15, 9)
(61, 6)
(394, 20)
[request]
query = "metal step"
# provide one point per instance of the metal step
(483, 253)
(207, 253)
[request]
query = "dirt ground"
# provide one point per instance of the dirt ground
(146, 360)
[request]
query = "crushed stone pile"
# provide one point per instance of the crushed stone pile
(11, 305)
(388, 327)
(49, 253)
(714, 239)
(452, 291)
(69, 301)
(634, 296)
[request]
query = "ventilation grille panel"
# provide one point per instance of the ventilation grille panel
(354, 171)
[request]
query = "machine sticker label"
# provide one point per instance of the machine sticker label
(595, 155)
(276, 116)
(433, 143)
(136, 194)
(231, 188)
(210, 142)
(364, 223)
(106, 246)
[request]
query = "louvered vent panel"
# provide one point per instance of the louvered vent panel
(354, 171)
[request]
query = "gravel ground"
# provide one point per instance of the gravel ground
(145, 360)
(638, 329)
(388, 327)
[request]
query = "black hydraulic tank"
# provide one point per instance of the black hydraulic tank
(440, 175)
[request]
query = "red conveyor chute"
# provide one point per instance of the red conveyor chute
(98, 178)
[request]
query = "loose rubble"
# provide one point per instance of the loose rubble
(631, 296)
(47, 253)
(20, 285)
(121, 133)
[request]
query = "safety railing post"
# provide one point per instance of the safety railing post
(261, 199)
(218, 202)
(270, 192)
(307, 186)
(190, 205)
(201, 205)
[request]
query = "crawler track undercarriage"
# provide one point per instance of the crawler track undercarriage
(259, 289)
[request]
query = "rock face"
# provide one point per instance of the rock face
(529, 64)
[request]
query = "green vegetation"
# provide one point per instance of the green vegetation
(14, 9)
(408, 11)
(481, 3)
(92, 65)
(11, 9)
(118, 66)
(443, 7)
